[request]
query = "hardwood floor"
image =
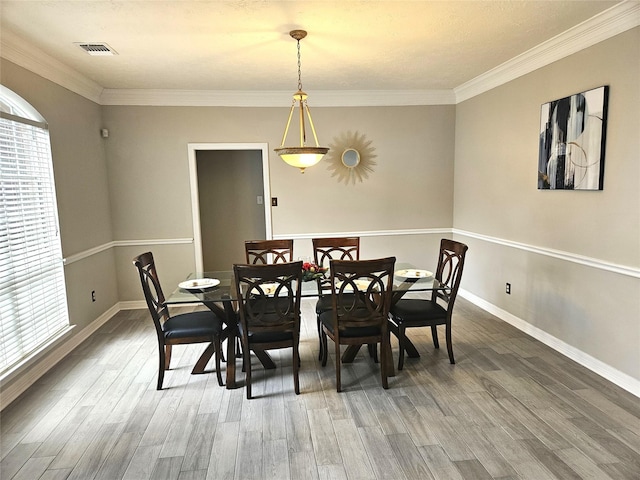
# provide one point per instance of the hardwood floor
(510, 408)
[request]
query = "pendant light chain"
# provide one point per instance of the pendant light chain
(299, 74)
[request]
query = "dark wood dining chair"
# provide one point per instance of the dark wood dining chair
(269, 311)
(268, 251)
(185, 328)
(361, 295)
(415, 312)
(325, 250)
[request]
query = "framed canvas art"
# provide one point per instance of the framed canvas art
(572, 141)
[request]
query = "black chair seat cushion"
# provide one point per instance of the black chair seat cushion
(418, 312)
(326, 319)
(192, 324)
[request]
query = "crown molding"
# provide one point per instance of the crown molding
(236, 98)
(618, 19)
(18, 51)
(611, 22)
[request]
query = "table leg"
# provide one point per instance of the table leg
(409, 347)
(204, 359)
(265, 359)
(228, 314)
(352, 350)
(350, 353)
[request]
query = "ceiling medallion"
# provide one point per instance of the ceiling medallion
(351, 157)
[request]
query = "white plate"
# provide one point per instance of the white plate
(362, 285)
(269, 288)
(413, 273)
(199, 283)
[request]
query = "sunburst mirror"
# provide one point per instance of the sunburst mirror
(351, 157)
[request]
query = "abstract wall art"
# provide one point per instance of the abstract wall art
(572, 141)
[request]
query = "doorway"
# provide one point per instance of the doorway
(230, 201)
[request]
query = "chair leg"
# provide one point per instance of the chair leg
(373, 352)
(296, 367)
(400, 334)
(218, 354)
(167, 358)
(319, 336)
(246, 361)
(449, 344)
(434, 334)
(324, 348)
(338, 362)
(384, 359)
(161, 366)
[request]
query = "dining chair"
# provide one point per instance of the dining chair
(415, 312)
(185, 328)
(325, 250)
(268, 251)
(269, 311)
(360, 295)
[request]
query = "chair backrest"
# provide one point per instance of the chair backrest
(152, 290)
(336, 248)
(268, 251)
(269, 296)
(372, 283)
(449, 270)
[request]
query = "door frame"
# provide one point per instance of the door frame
(193, 148)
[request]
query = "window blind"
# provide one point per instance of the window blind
(33, 303)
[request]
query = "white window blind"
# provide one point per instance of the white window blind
(33, 303)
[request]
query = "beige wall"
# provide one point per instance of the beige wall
(588, 307)
(80, 171)
(411, 187)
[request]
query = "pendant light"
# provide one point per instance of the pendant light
(303, 156)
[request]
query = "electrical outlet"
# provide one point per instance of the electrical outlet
(93, 295)
(508, 289)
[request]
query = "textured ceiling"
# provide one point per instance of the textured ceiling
(245, 45)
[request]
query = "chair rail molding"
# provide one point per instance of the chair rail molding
(367, 233)
(559, 254)
(124, 243)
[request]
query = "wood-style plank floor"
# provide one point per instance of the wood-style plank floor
(510, 408)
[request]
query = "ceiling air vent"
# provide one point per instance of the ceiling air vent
(97, 49)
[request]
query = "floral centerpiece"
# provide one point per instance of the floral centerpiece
(311, 271)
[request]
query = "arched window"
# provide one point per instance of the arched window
(33, 301)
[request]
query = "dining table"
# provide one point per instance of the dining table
(216, 290)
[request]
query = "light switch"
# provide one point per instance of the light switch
(260, 200)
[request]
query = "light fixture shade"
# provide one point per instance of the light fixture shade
(303, 156)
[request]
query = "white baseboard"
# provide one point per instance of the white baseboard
(51, 359)
(621, 379)
(132, 305)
